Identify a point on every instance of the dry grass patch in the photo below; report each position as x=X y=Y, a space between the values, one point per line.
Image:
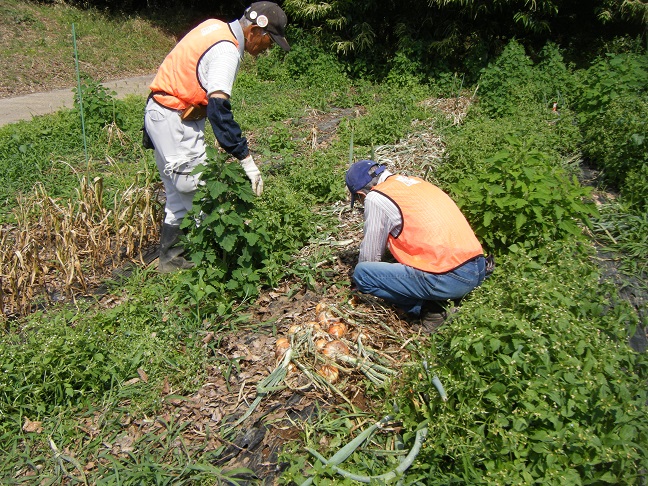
x=58 y=249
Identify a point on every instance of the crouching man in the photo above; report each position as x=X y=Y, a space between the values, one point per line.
x=439 y=257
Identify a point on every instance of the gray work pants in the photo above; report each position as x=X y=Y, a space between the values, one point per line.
x=179 y=148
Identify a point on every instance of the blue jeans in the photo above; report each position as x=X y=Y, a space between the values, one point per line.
x=409 y=288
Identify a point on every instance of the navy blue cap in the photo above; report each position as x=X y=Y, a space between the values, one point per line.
x=360 y=174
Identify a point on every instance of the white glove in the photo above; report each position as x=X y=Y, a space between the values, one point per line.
x=253 y=174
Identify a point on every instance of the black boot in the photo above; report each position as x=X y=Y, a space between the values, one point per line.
x=171 y=258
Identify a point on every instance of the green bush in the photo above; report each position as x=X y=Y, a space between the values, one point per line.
x=325 y=184
x=481 y=136
x=614 y=77
x=617 y=142
x=224 y=240
x=243 y=242
x=613 y=105
x=388 y=119
x=100 y=108
x=514 y=85
x=506 y=84
x=542 y=386
x=519 y=197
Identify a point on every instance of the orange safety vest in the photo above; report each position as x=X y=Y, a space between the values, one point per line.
x=176 y=84
x=435 y=236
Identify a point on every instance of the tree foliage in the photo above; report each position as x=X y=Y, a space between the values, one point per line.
x=439 y=33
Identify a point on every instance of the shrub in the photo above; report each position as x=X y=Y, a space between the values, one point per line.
x=224 y=243
x=99 y=105
x=480 y=137
x=616 y=141
x=615 y=77
x=505 y=85
x=518 y=197
x=512 y=84
x=388 y=119
x=542 y=386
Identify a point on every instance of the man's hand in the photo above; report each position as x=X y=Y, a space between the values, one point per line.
x=253 y=174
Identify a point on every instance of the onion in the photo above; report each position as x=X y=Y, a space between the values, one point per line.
x=335 y=348
x=337 y=329
x=294 y=329
x=320 y=343
x=282 y=345
x=320 y=307
x=355 y=335
x=331 y=373
x=314 y=325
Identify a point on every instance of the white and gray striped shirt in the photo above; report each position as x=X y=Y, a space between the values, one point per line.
x=219 y=66
x=381 y=217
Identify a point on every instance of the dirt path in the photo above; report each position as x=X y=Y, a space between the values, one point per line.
x=23 y=108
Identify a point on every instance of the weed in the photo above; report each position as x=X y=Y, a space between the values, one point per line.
x=625 y=235
x=518 y=198
x=98 y=103
x=615 y=141
x=541 y=383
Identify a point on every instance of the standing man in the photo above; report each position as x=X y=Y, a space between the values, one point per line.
x=195 y=81
x=439 y=257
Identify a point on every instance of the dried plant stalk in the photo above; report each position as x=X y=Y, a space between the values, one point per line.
x=66 y=246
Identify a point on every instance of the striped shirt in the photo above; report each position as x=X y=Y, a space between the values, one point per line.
x=381 y=217
x=219 y=66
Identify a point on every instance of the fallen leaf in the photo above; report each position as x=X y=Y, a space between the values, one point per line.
x=35 y=426
x=142 y=374
x=165 y=386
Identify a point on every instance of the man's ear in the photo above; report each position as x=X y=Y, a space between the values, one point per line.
x=256 y=31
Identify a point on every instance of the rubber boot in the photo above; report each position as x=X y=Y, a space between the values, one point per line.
x=170 y=259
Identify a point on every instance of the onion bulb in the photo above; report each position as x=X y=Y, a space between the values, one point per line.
x=331 y=373
x=320 y=307
x=355 y=335
x=320 y=343
x=314 y=325
x=337 y=329
x=294 y=329
x=282 y=345
x=335 y=348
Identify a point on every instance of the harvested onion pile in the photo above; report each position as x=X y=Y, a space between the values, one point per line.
x=321 y=350
x=328 y=346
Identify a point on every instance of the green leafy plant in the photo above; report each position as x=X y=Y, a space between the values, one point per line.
x=542 y=385
x=99 y=104
x=513 y=84
x=616 y=141
x=387 y=120
x=610 y=78
x=518 y=197
x=613 y=106
x=224 y=241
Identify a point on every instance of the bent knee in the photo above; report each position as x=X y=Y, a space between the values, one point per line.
x=362 y=277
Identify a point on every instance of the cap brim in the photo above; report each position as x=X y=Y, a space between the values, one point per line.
x=280 y=41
